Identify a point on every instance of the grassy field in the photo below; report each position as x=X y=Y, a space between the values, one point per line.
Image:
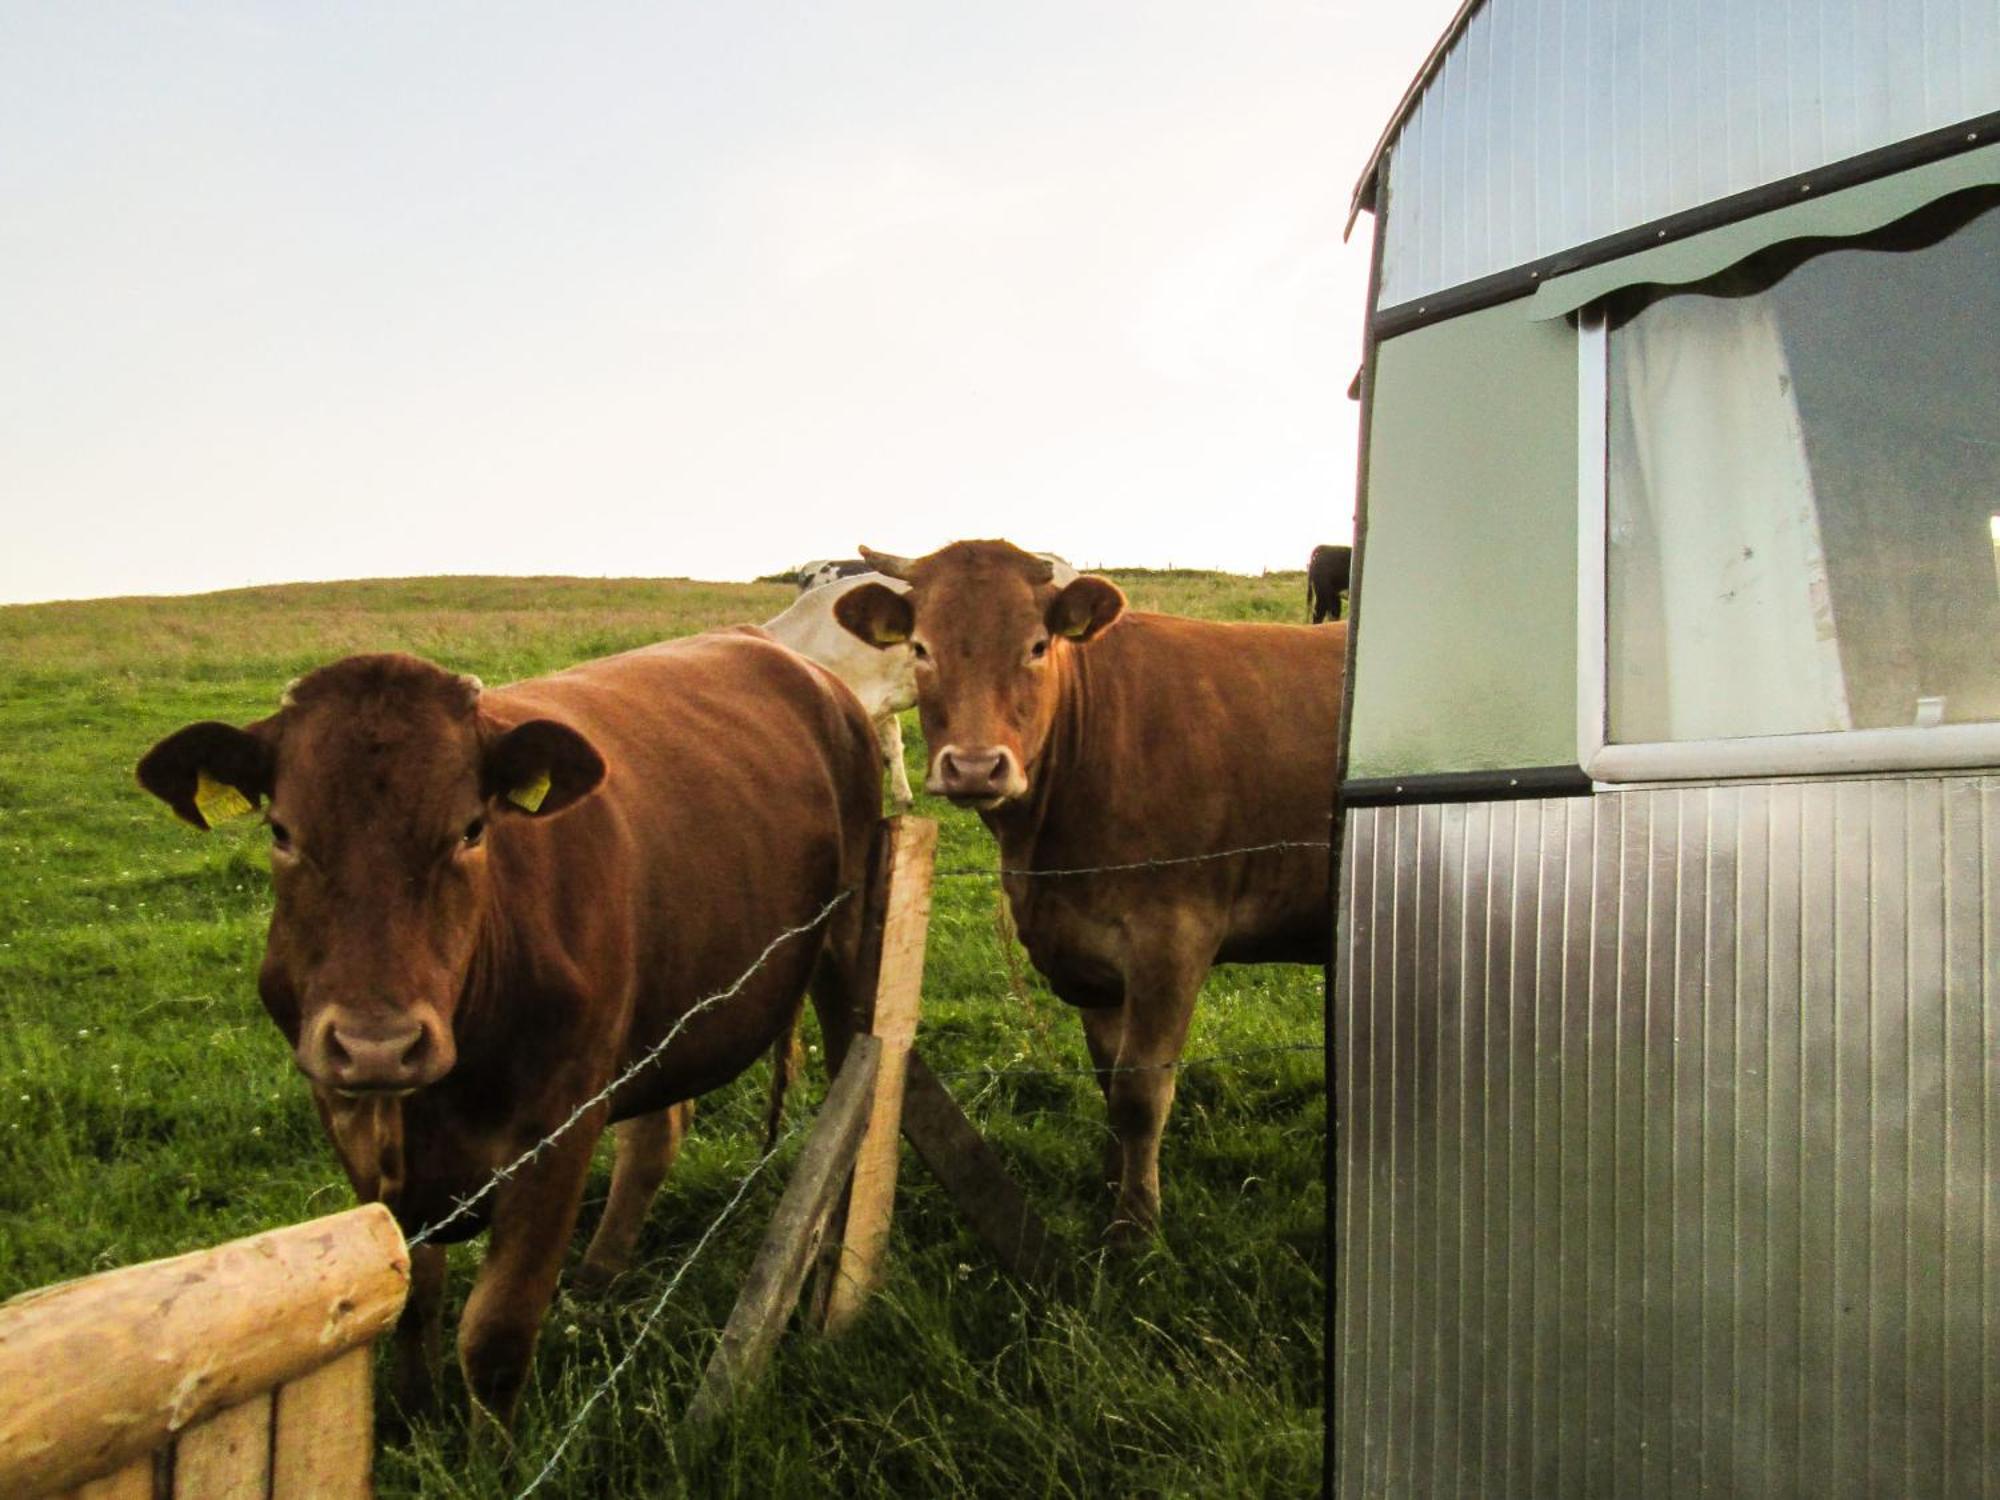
x=148 y=1107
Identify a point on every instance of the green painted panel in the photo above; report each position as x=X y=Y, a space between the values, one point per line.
x=1466 y=644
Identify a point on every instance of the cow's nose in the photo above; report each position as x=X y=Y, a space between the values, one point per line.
x=974 y=773
x=352 y=1055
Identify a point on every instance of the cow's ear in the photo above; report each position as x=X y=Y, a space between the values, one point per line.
x=540 y=767
x=209 y=771
x=880 y=616
x=1084 y=608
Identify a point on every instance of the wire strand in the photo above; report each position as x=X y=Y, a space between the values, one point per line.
x=653 y=1313
x=992 y=1075
x=1208 y=1060
x=974 y=871
x=575 y=1423
x=465 y=1205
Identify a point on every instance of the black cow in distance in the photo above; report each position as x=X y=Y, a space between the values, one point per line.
x=1326 y=582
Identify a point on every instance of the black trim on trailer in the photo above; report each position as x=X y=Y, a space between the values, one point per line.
x=1525 y=280
x=1466 y=786
x=1362 y=390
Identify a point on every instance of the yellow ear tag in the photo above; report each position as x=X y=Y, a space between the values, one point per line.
x=216 y=801
x=529 y=798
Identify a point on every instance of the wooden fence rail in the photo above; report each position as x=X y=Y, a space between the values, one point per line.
x=240 y=1370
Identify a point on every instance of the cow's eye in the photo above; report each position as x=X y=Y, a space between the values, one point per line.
x=920 y=651
x=281 y=837
x=1039 y=650
x=474 y=832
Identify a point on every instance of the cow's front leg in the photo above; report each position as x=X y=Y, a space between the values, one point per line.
x=419 y=1339
x=889 y=735
x=1159 y=1005
x=646 y=1148
x=1103 y=1027
x=534 y=1214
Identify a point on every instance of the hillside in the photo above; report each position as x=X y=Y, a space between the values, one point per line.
x=148 y=1107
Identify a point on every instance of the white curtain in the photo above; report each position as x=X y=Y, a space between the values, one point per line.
x=1719 y=618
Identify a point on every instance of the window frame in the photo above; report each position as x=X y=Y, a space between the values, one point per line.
x=1820 y=752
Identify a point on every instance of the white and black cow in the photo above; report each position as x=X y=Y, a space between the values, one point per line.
x=884 y=681
x=814 y=575
x=829 y=569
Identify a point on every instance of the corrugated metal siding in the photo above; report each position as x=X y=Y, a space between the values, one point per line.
x=1552 y=123
x=1669 y=1144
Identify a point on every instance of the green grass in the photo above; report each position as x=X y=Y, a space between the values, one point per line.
x=148 y=1108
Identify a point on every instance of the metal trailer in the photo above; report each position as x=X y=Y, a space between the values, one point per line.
x=1666 y=999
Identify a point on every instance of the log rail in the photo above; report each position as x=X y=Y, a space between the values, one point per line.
x=240 y=1370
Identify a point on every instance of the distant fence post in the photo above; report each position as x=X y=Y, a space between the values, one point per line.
x=239 y=1370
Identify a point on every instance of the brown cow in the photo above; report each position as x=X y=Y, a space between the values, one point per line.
x=490 y=903
x=1090 y=735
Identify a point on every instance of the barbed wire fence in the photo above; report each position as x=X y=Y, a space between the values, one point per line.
x=991 y=1075
x=574 y=1425
x=465 y=1205
x=1183 y=1064
x=659 y=1305
x=1080 y=1070
x=502 y=1175
x=1002 y=872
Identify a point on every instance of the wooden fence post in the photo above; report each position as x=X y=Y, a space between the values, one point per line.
x=321 y=1435
x=917 y=1104
x=101 y=1375
x=859 y=1238
x=839 y=1203
x=771 y=1290
x=992 y=1202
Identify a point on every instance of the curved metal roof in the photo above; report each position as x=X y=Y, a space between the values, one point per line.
x=1364 y=190
x=1536 y=128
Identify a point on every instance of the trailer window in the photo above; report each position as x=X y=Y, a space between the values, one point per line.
x=1801 y=491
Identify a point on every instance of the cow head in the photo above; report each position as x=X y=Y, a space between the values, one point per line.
x=385 y=782
x=992 y=636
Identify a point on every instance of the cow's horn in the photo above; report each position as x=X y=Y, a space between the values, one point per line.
x=1040 y=570
x=888 y=564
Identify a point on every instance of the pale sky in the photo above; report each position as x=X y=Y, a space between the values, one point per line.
x=306 y=291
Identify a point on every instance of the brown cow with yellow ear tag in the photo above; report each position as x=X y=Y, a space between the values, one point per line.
x=489 y=904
